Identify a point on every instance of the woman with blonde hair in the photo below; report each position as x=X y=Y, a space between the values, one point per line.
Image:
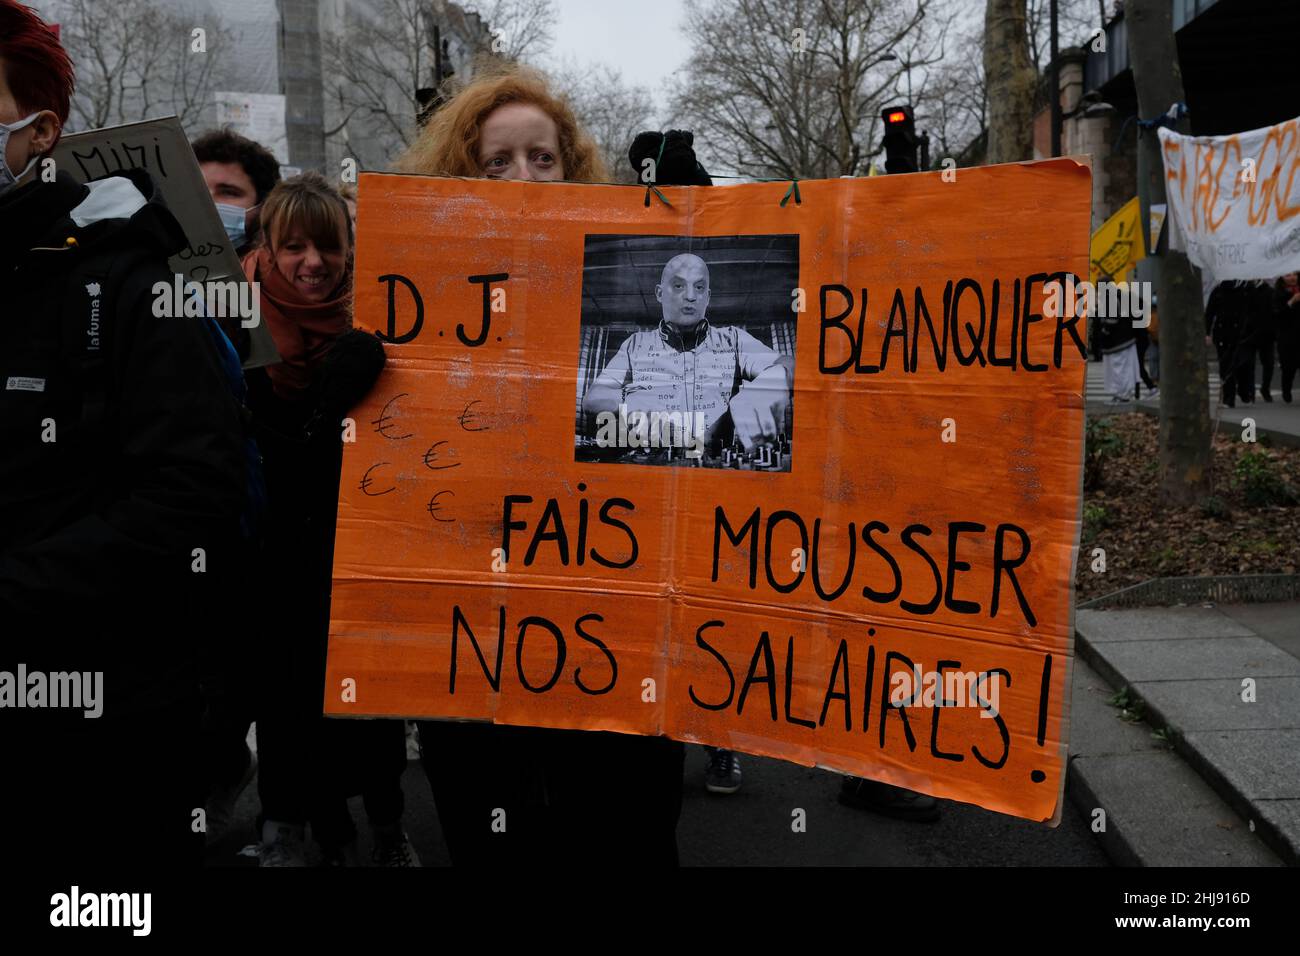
x=310 y=766
x=567 y=794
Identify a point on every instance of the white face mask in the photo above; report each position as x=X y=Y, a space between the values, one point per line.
x=7 y=178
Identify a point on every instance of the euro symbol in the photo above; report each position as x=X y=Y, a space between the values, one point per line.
x=431 y=456
x=467 y=418
x=367 y=481
x=434 y=508
x=385 y=420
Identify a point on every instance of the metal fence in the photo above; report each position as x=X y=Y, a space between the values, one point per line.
x=1233 y=589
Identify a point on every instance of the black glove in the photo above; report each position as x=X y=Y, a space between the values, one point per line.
x=347 y=375
x=677 y=166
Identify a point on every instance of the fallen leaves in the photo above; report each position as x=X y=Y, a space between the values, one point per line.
x=1144 y=539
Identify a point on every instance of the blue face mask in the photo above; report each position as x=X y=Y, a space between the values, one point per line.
x=8 y=180
x=234 y=219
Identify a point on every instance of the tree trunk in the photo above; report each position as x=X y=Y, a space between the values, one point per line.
x=1010 y=77
x=1184 y=377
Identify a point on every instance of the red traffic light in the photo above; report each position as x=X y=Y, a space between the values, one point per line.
x=896 y=116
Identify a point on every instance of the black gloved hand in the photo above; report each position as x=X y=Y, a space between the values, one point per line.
x=677 y=166
x=347 y=374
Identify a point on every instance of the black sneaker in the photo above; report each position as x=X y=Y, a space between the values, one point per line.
x=888 y=800
x=722 y=775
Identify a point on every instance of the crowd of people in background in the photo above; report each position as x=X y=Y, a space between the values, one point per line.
x=1253 y=324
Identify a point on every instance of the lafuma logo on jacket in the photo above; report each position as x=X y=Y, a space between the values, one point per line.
x=92 y=330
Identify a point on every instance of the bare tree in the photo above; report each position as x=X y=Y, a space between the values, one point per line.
x=954 y=106
x=612 y=111
x=1077 y=21
x=387 y=53
x=375 y=64
x=138 y=59
x=1184 y=377
x=520 y=29
x=793 y=88
x=1011 y=82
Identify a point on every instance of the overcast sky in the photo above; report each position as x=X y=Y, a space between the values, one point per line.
x=643 y=39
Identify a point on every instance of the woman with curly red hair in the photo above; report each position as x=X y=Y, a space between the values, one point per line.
x=553 y=786
x=506 y=124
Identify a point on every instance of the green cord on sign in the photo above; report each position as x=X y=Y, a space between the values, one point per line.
x=655 y=190
x=792 y=191
x=650 y=187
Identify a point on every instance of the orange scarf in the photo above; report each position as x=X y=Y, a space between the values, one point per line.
x=303 y=331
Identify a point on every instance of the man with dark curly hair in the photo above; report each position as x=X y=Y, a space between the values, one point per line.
x=239 y=173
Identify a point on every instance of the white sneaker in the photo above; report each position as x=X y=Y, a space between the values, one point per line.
x=283 y=844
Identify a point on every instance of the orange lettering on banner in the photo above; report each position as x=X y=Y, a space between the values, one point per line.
x=1279 y=150
x=1291 y=155
x=500 y=556
x=1175 y=166
x=1207 y=183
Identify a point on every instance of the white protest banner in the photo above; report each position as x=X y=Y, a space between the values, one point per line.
x=1236 y=199
x=258 y=116
x=160 y=148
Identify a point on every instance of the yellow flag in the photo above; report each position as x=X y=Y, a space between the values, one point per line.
x=1117 y=245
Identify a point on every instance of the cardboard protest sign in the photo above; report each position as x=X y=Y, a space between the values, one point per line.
x=774 y=477
x=1118 y=245
x=160 y=147
x=1236 y=200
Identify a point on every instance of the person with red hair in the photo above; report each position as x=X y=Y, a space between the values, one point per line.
x=121 y=486
x=552 y=784
x=37 y=87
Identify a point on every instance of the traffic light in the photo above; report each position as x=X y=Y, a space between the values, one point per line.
x=900 y=140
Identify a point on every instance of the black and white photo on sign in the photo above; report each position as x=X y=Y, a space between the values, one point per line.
x=687 y=351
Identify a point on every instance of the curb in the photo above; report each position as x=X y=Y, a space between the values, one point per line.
x=1264 y=827
x=1158 y=811
x=1288 y=439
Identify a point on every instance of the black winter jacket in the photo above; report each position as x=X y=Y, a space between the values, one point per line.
x=99 y=527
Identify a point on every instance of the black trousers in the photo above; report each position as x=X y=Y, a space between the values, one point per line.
x=527 y=796
x=1265 y=350
x=114 y=794
x=308 y=764
x=1288 y=361
x=1236 y=371
x=1143 y=340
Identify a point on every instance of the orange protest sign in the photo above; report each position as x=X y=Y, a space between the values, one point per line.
x=797 y=480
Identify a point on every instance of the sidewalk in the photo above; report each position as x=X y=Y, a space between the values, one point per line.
x=1276 y=419
x=1191 y=667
